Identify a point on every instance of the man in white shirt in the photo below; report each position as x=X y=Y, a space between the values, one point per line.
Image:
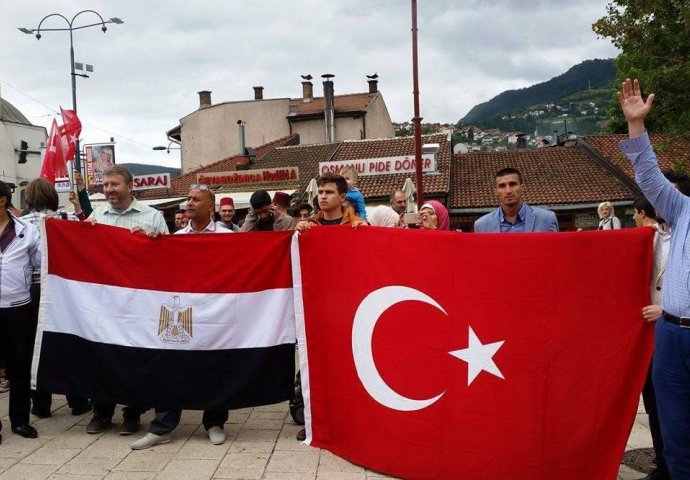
x=200 y=206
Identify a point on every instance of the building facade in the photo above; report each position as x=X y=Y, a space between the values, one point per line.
x=213 y=132
x=20 y=151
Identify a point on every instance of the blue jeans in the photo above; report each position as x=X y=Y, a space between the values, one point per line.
x=671 y=374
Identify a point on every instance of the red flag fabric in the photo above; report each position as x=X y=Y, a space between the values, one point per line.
x=473 y=356
x=54 y=160
x=69 y=132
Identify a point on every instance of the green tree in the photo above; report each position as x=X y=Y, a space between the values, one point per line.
x=654 y=39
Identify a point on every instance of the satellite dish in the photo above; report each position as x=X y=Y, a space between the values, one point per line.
x=460 y=148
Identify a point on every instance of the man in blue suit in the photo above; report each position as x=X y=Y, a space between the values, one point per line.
x=514 y=215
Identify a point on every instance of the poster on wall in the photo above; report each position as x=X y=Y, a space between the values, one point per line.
x=99 y=157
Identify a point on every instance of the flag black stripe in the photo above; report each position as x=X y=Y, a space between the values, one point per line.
x=195 y=380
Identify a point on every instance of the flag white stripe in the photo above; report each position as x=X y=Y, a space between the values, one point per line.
x=41 y=312
x=130 y=317
x=301 y=333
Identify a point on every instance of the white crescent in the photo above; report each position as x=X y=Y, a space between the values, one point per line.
x=368 y=313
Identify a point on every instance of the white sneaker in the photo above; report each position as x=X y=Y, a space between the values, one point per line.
x=149 y=440
x=216 y=435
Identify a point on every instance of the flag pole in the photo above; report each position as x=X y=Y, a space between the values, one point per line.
x=416 y=120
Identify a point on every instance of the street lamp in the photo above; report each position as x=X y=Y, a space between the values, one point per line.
x=168 y=148
x=70 y=29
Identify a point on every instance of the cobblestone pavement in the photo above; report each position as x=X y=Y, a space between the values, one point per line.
x=260 y=445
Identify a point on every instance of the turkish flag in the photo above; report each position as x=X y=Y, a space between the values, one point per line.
x=473 y=356
x=54 y=160
x=69 y=132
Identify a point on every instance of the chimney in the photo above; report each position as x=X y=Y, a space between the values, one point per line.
x=258 y=93
x=307 y=91
x=521 y=141
x=204 y=99
x=373 y=85
x=328 y=107
x=241 y=125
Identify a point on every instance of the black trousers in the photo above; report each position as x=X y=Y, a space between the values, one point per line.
x=649 y=400
x=44 y=400
x=105 y=409
x=165 y=421
x=17 y=334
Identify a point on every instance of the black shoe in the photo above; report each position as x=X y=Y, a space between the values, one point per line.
x=657 y=474
x=41 y=412
x=98 y=424
x=301 y=435
x=26 y=431
x=81 y=408
x=129 y=426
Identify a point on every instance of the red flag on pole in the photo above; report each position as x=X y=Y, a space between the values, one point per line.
x=485 y=356
x=54 y=160
x=69 y=132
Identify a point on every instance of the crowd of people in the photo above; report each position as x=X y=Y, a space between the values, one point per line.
x=338 y=202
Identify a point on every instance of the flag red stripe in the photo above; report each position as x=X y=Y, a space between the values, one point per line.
x=176 y=263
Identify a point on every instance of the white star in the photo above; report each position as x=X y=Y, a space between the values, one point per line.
x=478 y=357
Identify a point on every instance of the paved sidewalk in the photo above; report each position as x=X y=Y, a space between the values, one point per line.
x=261 y=445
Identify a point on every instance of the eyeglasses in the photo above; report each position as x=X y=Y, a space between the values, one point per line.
x=198 y=186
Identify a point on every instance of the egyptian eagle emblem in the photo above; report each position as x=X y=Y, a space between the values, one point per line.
x=175 y=322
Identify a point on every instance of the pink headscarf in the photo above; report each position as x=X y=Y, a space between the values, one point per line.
x=443 y=220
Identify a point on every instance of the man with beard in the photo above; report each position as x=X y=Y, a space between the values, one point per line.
x=399 y=202
x=263 y=218
x=200 y=206
x=122 y=210
x=227 y=213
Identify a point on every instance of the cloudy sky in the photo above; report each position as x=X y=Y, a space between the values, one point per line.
x=148 y=70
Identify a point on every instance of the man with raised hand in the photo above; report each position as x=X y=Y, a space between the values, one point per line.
x=671 y=371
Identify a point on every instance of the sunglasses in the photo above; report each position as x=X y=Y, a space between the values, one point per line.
x=198 y=186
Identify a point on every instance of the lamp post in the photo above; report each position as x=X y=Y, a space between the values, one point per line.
x=417 y=119
x=70 y=29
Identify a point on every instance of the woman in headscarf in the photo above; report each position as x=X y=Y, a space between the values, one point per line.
x=434 y=216
x=384 y=216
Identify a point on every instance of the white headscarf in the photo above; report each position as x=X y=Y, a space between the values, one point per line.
x=383 y=216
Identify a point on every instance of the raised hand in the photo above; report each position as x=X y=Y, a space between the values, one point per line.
x=78 y=180
x=634 y=107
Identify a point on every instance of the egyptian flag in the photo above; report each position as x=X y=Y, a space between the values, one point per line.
x=473 y=356
x=181 y=321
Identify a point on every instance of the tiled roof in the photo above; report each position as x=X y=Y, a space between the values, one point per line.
x=281 y=142
x=553 y=175
x=350 y=103
x=304 y=157
x=10 y=113
x=669 y=151
x=377 y=186
x=180 y=185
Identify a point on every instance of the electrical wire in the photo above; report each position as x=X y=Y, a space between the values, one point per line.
x=115 y=134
